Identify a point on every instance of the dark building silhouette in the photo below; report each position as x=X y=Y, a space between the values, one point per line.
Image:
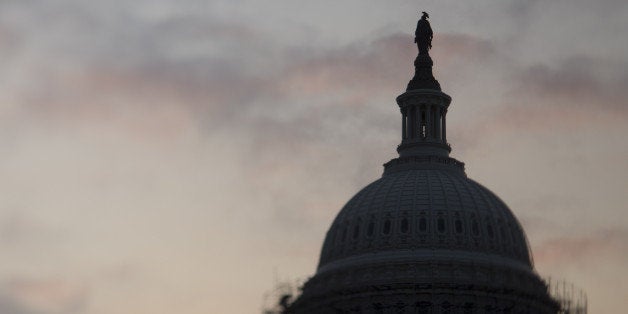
x=425 y=238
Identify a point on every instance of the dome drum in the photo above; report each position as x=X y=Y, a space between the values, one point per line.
x=407 y=286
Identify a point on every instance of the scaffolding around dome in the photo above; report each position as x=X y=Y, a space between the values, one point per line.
x=572 y=299
x=277 y=300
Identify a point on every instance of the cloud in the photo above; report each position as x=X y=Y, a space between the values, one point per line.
x=454 y=49
x=172 y=136
x=17 y=228
x=26 y=296
x=598 y=245
x=140 y=79
x=559 y=97
x=577 y=81
x=351 y=67
x=9 y=305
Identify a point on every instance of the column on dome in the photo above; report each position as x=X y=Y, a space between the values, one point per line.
x=434 y=122
x=437 y=125
x=404 y=117
x=444 y=125
x=421 y=119
x=417 y=119
x=411 y=122
x=428 y=122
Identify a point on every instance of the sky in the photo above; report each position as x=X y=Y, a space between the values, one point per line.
x=186 y=156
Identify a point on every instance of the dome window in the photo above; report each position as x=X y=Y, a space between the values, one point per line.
x=404 y=225
x=370 y=229
x=387 y=227
x=502 y=233
x=458 y=226
x=356 y=231
x=441 y=224
x=475 y=228
x=422 y=224
x=489 y=231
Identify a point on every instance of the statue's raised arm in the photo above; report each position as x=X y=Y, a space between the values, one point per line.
x=423 y=34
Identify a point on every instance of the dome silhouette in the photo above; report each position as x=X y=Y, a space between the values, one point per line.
x=432 y=240
x=424 y=238
x=424 y=210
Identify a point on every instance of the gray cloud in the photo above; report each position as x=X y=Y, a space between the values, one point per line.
x=579 y=81
x=173 y=136
x=576 y=248
x=26 y=296
x=8 y=305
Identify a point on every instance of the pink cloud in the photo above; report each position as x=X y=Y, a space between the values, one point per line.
x=48 y=296
x=561 y=250
x=451 y=49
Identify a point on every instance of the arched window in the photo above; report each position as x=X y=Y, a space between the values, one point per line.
x=356 y=231
x=371 y=227
x=440 y=224
x=386 y=227
x=404 y=225
x=422 y=224
x=475 y=228
x=458 y=226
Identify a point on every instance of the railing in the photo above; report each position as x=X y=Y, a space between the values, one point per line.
x=572 y=300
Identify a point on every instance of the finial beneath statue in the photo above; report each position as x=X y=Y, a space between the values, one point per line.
x=423 y=34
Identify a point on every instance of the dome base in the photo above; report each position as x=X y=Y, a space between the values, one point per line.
x=424 y=162
x=425 y=298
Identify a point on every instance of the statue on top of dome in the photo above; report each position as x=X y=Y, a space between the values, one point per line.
x=423 y=34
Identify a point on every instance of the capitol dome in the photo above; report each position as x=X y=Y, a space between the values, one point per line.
x=431 y=239
x=424 y=238
x=420 y=210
